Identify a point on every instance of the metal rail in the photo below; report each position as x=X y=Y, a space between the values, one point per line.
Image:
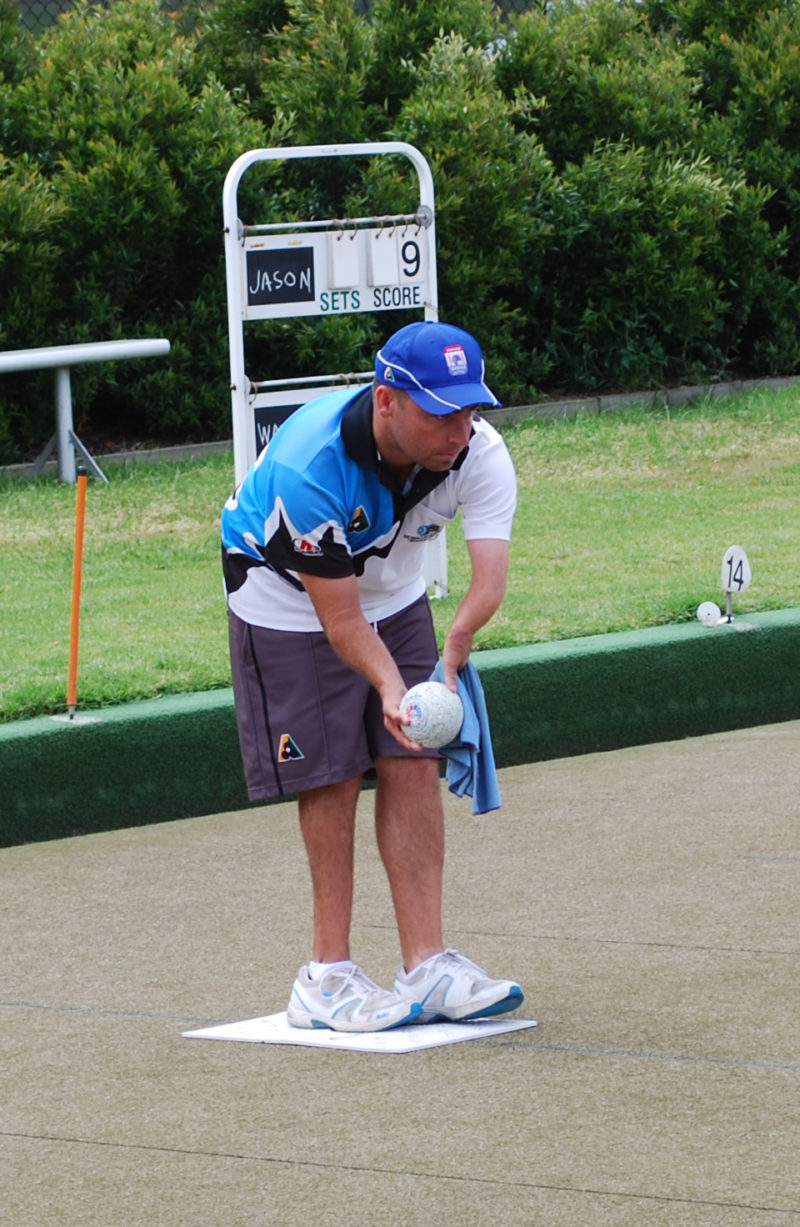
x=60 y=358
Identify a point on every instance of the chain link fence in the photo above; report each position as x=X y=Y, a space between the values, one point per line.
x=37 y=15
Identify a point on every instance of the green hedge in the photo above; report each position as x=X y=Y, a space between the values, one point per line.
x=618 y=189
x=115 y=149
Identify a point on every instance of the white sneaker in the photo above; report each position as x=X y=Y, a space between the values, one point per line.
x=345 y=999
x=451 y=988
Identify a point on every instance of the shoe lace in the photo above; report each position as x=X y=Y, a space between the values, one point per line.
x=461 y=963
x=354 y=980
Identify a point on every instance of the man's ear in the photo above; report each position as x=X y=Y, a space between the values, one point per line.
x=384 y=400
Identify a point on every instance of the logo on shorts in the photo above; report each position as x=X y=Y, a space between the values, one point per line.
x=304 y=546
x=288 y=749
x=359 y=522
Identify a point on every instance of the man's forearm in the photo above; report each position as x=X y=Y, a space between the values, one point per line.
x=481 y=600
x=360 y=647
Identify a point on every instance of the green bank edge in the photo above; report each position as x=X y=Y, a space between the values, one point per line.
x=174 y=758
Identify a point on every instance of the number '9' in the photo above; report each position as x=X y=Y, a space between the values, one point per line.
x=409 y=254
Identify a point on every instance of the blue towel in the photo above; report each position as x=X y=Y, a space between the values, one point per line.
x=470 y=757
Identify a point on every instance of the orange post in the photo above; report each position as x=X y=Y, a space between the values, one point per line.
x=77 y=574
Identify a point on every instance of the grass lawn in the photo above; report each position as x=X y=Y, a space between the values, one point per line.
x=623 y=521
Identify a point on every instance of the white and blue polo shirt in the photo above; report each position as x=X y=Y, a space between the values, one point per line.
x=319 y=501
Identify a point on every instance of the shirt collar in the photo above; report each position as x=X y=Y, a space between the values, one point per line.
x=357 y=433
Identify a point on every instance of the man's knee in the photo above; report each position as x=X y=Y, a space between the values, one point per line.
x=407 y=773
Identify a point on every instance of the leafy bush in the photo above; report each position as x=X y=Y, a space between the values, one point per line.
x=343 y=80
x=580 y=137
x=490 y=181
x=617 y=189
x=649 y=306
x=405 y=33
x=14 y=42
x=121 y=151
x=234 y=41
x=682 y=241
x=315 y=69
x=596 y=73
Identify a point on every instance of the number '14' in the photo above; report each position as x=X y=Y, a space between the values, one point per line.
x=736 y=573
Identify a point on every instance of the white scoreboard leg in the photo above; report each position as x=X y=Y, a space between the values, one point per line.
x=435 y=566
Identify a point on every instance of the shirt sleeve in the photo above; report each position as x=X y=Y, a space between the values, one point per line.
x=487 y=487
x=304 y=532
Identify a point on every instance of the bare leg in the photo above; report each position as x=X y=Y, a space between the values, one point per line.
x=327 y=821
x=409 y=825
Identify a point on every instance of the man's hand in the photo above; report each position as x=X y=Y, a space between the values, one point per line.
x=392 y=714
x=455 y=654
x=338 y=607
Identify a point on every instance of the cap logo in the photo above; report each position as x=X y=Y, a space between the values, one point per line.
x=456 y=360
x=388 y=374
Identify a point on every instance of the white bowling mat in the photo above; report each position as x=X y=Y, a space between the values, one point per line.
x=274 y=1029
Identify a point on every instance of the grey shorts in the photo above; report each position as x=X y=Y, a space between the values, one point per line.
x=305 y=718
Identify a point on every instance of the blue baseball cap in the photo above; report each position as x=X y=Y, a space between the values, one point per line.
x=440 y=366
